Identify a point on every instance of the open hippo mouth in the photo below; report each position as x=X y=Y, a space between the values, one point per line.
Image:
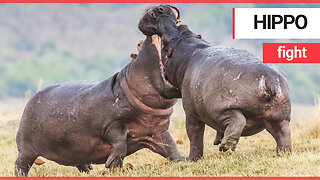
x=155 y=21
x=157 y=42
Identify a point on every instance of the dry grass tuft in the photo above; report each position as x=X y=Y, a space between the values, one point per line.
x=308 y=126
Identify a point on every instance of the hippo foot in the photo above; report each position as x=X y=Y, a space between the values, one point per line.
x=181 y=159
x=283 y=150
x=218 y=139
x=113 y=162
x=84 y=168
x=194 y=159
x=217 y=142
x=228 y=144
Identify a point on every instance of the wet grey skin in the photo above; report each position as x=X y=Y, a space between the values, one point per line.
x=228 y=89
x=78 y=124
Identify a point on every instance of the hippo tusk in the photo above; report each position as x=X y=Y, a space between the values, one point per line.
x=176 y=12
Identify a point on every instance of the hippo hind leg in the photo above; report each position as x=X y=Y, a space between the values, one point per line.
x=84 y=168
x=24 y=162
x=280 y=130
x=234 y=122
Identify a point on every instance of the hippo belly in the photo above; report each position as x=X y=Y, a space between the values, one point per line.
x=81 y=150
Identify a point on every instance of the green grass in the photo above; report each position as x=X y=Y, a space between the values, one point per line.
x=254 y=156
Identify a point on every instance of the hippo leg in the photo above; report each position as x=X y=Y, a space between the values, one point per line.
x=166 y=147
x=84 y=168
x=24 y=162
x=195 y=131
x=218 y=139
x=280 y=130
x=117 y=138
x=234 y=121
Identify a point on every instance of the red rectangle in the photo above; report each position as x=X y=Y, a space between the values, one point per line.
x=233 y=23
x=291 y=52
x=159 y=178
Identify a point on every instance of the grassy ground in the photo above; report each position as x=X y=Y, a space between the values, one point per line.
x=254 y=156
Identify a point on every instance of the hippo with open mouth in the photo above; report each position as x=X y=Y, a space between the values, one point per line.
x=77 y=124
x=228 y=89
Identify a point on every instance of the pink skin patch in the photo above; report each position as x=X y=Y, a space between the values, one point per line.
x=139 y=45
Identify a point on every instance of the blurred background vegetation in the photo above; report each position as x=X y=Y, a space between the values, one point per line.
x=43 y=44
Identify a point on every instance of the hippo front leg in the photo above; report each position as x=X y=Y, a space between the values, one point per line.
x=234 y=122
x=195 y=131
x=116 y=136
x=167 y=147
x=218 y=139
x=280 y=130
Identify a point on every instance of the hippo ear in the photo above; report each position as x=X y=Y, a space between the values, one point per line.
x=176 y=12
x=139 y=45
x=133 y=56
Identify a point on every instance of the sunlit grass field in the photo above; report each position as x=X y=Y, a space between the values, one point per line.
x=254 y=156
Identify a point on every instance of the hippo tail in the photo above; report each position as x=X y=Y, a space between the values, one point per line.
x=270 y=89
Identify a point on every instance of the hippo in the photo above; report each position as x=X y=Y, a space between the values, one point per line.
x=79 y=123
x=228 y=89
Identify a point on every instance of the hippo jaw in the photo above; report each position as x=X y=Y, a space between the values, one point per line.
x=157 y=42
x=146 y=76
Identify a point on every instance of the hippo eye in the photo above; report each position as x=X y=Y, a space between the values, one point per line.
x=161 y=10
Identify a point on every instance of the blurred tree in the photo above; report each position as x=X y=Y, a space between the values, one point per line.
x=67 y=42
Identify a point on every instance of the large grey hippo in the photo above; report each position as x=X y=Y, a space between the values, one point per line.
x=228 y=89
x=77 y=124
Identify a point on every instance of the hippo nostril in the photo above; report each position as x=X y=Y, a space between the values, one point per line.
x=161 y=10
x=153 y=15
